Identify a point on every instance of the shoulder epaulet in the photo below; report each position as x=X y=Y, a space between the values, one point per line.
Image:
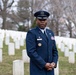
x=32 y=29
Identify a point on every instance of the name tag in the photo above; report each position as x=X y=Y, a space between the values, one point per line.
x=39 y=39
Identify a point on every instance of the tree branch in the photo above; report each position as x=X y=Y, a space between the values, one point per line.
x=10 y=4
x=3 y=1
x=0 y=7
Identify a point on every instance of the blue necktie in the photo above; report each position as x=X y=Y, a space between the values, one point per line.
x=45 y=33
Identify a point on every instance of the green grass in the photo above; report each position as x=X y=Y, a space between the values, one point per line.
x=66 y=68
x=6 y=66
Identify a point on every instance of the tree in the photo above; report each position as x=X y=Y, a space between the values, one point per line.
x=56 y=13
x=23 y=12
x=69 y=9
x=26 y=8
x=4 y=6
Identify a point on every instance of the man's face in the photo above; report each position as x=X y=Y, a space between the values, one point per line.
x=41 y=23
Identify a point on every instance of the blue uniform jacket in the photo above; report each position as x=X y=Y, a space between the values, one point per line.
x=41 y=49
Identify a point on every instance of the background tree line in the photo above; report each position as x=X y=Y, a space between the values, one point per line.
x=18 y=15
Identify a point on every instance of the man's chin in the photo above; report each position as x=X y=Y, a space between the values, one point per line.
x=42 y=27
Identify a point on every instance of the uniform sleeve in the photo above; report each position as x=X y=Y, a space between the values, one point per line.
x=31 y=50
x=55 y=51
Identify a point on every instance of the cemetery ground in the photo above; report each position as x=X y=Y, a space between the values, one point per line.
x=6 y=66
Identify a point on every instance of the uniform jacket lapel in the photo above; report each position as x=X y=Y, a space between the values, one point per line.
x=41 y=34
x=49 y=35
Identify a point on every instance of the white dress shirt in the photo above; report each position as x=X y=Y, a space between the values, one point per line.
x=42 y=30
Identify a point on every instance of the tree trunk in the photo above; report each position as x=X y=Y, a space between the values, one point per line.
x=70 y=31
x=4 y=23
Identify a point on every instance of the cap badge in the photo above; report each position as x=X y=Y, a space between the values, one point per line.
x=42 y=13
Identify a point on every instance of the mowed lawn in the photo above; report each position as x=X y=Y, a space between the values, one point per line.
x=66 y=68
x=6 y=67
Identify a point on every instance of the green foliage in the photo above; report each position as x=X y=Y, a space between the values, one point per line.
x=21 y=28
x=34 y=24
x=66 y=68
x=6 y=66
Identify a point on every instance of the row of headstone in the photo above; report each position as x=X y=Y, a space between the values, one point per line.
x=18 y=68
x=68 y=53
x=17 y=37
x=11 y=51
x=69 y=42
x=20 y=39
x=18 y=42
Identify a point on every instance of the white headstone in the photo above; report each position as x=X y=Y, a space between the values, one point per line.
x=62 y=47
x=58 y=41
x=25 y=58
x=11 y=49
x=71 y=57
x=2 y=36
x=59 y=45
x=7 y=40
x=0 y=55
x=66 y=51
x=17 y=44
x=22 y=42
x=69 y=45
x=18 y=67
x=74 y=47
x=1 y=43
x=56 y=70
